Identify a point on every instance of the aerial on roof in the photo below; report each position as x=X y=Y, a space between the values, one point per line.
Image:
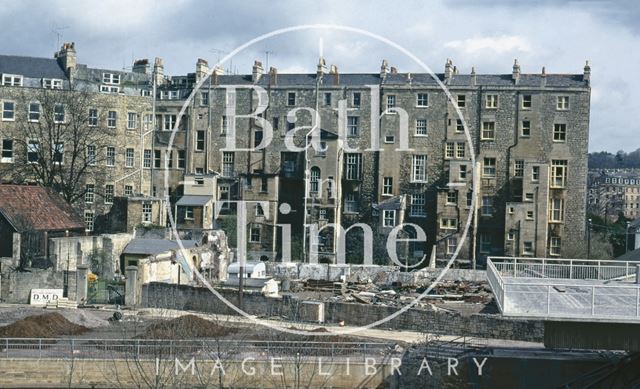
x=29 y=207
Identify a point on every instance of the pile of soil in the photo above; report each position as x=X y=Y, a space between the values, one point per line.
x=48 y=325
x=185 y=327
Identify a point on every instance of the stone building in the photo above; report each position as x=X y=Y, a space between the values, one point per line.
x=612 y=192
x=529 y=135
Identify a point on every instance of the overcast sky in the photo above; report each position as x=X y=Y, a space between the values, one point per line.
x=484 y=34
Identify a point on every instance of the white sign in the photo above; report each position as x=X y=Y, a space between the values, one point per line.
x=43 y=296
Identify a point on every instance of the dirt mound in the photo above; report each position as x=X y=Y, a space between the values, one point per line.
x=185 y=327
x=48 y=325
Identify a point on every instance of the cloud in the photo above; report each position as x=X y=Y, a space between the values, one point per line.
x=501 y=45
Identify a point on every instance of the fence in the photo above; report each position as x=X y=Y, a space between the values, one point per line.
x=565 y=288
x=142 y=349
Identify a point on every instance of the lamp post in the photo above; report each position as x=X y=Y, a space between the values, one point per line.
x=589 y=240
x=626 y=238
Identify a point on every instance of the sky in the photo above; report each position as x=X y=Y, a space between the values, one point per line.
x=489 y=34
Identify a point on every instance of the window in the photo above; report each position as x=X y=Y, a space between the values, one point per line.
x=91 y=155
x=327 y=98
x=228 y=163
x=528 y=196
x=110 y=78
x=528 y=248
x=535 y=173
x=182 y=159
x=33 y=151
x=558 y=173
x=525 y=128
x=461 y=100
x=462 y=173
x=488 y=130
x=389 y=139
x=529 y=215
x=485 y=243
x=109 y=89
x=487 y=206
x=511 y=235
x=224 y=194
x=419 y=168
x=449 y=150
x=8 y=110
x=108 y=194
x=452 y=198
x=422 y=100
x=452 y=245
x=314 y=181
x=556 y=210
x=388 y=218
x=147 y=121
x=254 y=233
x=257 y=137
x=146 y=212
x=34 y=112
x=559 y=132
x=188 y=213
x=58 y=152
x=200 y=140
x=146 y=160
x=562 y=103
x=204 y=98
x=88 y=220
x=157 y=159
x=350 y=203
x=112 y=118
x=58 y=113
x=459 y=125
x=491 y=101
x=111 y=156
x=391 y=101
x=353 y=166
x=460 y=150
x=132 y=120
x=356 y=99
x=417 y=208
x=291 y=99
x=526 y=101
x=7 y=151
x=128 y=190
x=168 y=158
x=421 y=126
x=448 y=223
x=489 y=167
x=93 y=117
x=387 y=186
x=518 y=168
x=52 y=83
x=469 y=198
x=352 y=126
x=275 y=120
x=89 y=193
x=323 y=214
x=11 y=80
x=554 y=245
x=169 y=122
x=129 y=158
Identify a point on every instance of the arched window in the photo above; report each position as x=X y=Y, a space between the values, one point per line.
x=315 y=179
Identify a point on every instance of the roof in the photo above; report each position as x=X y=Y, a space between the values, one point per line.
x=249 y=266
x=30 y=207
x=194 y=200
x=155 y=246
x=32 y=67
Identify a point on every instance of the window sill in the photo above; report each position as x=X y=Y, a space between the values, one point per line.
x=421 y=135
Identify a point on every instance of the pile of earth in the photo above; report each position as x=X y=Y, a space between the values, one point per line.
x=185 y=327
x=48 y=325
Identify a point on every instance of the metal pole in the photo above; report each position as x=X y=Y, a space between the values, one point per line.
x=589 y=239
x=626 y=239
x=240 y=285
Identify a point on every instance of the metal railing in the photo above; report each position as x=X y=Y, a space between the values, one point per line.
x=143 y=349
x=565 y=288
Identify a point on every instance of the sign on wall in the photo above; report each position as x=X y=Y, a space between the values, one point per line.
x=42 y=296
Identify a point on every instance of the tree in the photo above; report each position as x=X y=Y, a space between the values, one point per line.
x=62 y=139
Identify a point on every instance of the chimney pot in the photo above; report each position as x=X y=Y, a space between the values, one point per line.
x=587 y=73
x=256 y=71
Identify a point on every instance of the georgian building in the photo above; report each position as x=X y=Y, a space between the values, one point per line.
x=612 y=192
x=528 y=135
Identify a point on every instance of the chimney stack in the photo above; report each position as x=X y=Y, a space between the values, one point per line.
x=448 y=70
x=218 y=71
x=67 y=58
x=158 y=71
x=256 y=71
x=322 y=67
x=384 y=69
x=202 y=69
x=473 y=76
x=586 y=76
x=515 y=74
x=394 y=70
x=543 y=79
x=336 y=76
x=141 y=66
x=273 y=76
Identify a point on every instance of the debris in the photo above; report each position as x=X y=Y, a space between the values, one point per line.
x=49 y=325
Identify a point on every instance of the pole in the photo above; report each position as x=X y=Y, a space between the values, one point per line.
x=589 y=240
x=626 y=239
x=240 y=284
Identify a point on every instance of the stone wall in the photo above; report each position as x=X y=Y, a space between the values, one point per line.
x=66 y=253
x=16 y=286
x=181 y=297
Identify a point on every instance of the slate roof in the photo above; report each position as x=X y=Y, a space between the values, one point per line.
x=155 y=246
x=31 y=67
x=194 y=200
x=28 y=207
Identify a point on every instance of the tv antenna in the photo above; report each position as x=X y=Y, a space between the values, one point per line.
x=267 y=54
x=58 y=31
x=219 y=53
